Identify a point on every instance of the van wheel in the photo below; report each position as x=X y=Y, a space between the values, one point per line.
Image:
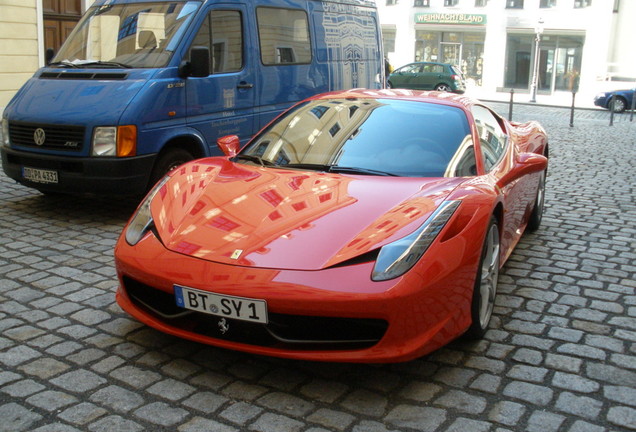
x=443 y=87
x=167 y=161
x=485 y=289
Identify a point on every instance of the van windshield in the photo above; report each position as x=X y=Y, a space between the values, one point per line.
x=139 y=35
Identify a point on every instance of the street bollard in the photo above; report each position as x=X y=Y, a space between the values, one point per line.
x=512 y=93
x=631 y=115
x=572 y=110
x=611 y=107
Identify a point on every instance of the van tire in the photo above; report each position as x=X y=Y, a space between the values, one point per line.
x=167 y=161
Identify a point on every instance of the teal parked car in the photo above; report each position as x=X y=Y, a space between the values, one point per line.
x=428 y=76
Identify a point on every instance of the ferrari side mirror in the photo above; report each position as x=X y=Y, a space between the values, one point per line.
x=527 y=163
x=229 y=145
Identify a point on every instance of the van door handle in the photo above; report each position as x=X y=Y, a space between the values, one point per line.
x=244 y=85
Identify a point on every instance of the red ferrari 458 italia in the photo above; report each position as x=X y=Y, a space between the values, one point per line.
x=361 y=226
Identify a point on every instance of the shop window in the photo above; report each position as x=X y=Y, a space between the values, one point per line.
x=472 y=61
x=579 y=4
x=422 y=3
x=514 y=4
x=448 y=3
x=547 y=3
x=388 y=40
x=559 y=61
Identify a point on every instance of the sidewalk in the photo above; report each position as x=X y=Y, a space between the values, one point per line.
x=583 y=99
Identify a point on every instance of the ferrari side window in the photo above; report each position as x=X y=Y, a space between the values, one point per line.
x=491 y=136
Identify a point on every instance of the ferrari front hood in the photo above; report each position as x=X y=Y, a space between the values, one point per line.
x=216 y=210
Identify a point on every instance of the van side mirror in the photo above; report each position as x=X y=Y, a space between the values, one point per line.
x=229 y=145
x=526 y=163
x=50 y=53
x=199 y=64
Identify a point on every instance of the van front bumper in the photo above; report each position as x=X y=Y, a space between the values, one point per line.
x=79 y=175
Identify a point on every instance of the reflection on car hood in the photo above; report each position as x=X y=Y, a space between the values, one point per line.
x=238 y=214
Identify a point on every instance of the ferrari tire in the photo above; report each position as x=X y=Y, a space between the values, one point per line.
x=483 y=301
x=618 y=104
x=443 y=87
x=167 y=161
x=534 y=222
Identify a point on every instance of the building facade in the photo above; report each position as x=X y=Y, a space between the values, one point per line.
x=493 y=41
x=27 y=29
x=584 y=42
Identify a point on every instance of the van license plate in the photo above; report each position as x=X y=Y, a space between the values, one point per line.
x=240 y=308
x=39 y=175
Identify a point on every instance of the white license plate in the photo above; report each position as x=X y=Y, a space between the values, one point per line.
x=39 y=175
x=240 y=308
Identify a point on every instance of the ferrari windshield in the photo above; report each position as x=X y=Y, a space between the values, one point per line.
x=140 y=35
x=370 y=137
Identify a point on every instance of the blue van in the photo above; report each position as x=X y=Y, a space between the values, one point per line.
x=141 y=86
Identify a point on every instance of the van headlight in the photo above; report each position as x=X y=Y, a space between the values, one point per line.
x=398 y=257
x=142 y=220
x=120 y=141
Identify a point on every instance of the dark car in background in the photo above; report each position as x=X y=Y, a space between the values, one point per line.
x=428 y=76
x=621 y=100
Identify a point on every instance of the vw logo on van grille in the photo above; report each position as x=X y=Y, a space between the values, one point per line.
x=39 y=136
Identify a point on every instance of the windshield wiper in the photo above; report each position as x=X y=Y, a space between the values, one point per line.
x=308 y=166
x=358 y=170
x=63 y=63
x=254 y=158
x=339 y=169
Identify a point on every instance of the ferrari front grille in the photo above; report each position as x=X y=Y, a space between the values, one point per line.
x=283 y=331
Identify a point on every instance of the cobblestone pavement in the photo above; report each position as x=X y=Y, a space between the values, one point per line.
x=561 y=354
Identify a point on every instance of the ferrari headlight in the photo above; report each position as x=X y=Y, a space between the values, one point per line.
x=142 y=219
x=398 y=257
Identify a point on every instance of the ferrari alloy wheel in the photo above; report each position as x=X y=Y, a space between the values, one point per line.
x=618 y=104
x=442 y=87
x=485 y=283
x=537 y=212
